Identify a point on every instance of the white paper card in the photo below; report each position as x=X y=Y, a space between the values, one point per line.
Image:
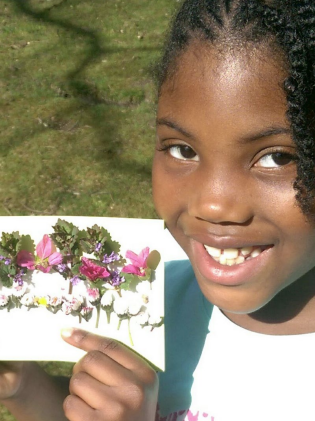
x=34 y=333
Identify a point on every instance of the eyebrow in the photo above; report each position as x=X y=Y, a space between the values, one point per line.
x=269 y=131
x=175 y=126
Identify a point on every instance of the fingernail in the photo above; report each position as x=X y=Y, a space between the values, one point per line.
x=67 y=332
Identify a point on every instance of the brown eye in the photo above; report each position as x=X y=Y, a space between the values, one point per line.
x=183 y=152
x=275 y=160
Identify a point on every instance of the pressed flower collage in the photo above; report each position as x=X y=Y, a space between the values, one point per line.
x=80 y=275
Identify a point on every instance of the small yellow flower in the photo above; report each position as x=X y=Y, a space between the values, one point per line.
x=42 y=301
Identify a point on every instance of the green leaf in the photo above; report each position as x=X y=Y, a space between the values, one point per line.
x=9 y=242
x=4 y=276
x=129 y=279
x=86 y=246
x=75 y=269
x=26 y=243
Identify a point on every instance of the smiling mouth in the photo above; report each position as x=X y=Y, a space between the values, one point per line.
x=234 y=256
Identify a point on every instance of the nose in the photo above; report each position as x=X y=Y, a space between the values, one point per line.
x=221 y=198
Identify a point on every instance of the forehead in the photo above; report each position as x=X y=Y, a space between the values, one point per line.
x=241 y=86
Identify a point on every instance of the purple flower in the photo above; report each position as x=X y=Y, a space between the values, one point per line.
x=2 y=257
x=116 y=280
x=75 y=280
x=18 y=279
x=7 y=261
x=111 y=258
x=62 y=267
x=98 y=247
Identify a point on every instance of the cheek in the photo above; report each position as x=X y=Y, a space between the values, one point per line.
x=165 y=189
x=159 y=187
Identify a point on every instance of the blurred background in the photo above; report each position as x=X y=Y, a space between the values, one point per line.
x=77 y=106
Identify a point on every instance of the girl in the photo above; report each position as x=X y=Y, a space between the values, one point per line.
x=234 y=179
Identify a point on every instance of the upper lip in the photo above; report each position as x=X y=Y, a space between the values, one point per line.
x=226 y=241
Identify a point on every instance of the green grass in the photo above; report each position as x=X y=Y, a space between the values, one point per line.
x=77 y=104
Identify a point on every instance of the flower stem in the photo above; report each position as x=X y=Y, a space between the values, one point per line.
x=98 y=309
x=119 y=323
x=108 y=316
x=70 y=287
x=129 y=331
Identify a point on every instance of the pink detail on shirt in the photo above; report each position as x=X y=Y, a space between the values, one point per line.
x=184 y=415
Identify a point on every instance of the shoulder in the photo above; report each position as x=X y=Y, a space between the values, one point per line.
x=187 y=315
x=182 y=294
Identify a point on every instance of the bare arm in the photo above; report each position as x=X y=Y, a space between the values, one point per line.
x=30 y=394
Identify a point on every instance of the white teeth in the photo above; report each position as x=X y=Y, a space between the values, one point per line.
x=213 y=251
x=240 y=259
x=230 y=253
x=256 y=253
x=233 y=256
x=245 y=251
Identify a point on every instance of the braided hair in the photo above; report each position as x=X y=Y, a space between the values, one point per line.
x=286 y=26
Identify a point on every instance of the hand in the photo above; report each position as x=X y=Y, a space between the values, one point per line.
x=110 y=383
x=11 y=377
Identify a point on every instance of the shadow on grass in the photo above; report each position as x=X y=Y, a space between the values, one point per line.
x=86 y=95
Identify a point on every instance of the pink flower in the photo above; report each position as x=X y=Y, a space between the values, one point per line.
x=138 y=262
x=92 y=271
x=46 y=257
x=26 y=259
x=93 y=294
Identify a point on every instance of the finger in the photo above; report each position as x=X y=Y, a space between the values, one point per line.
x=89 y=342
x=103 y=368
x=76 y=409
x=90 y=390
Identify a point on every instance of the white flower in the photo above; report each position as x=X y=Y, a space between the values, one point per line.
x=154 y=318
x=129 y=303
x=142 y=318
x=134 y=307
x=4 y=299
x=19 y=290
x=76 y=303
x=144 y=287
x=54 y=301
x=66 y=308
x=71 y=303
x=108 y=298
x=93 y=295
x=121 y=306
x=28 y=300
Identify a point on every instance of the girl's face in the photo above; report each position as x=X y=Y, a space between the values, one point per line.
x=223 y=174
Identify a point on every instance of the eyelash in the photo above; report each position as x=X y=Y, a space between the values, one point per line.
x=274 y=155
x=169 y=148
x=271 y=155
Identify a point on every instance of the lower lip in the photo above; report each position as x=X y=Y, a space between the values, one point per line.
x=238 y=274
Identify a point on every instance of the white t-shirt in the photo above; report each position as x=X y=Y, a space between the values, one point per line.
x=248 y=376
x=238 y=375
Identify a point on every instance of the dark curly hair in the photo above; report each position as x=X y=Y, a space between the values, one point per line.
x=285 y=26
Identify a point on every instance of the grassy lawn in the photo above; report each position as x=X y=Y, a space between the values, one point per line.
x=77 y=105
